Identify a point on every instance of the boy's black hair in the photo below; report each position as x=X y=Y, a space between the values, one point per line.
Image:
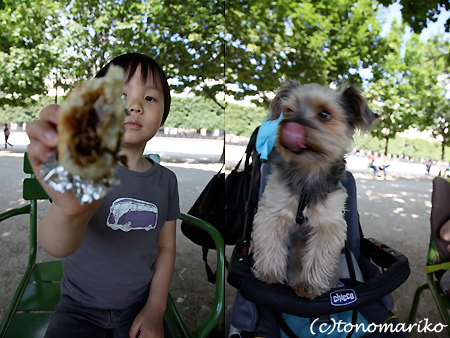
x=130 y=62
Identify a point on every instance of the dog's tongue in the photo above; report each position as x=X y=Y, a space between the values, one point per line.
x=293 y=136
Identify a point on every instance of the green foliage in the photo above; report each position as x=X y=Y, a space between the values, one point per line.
x=73 y=39
x=430 y=60
x=247 y=47
x=269 y=42
x=27 y=112
x=408 y=88
x=191 y=45
x=391 y=91
x=196 y=113
x=243 y=120
x=28 y=48
x=402 y=146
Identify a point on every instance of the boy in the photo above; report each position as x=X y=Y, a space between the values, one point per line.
x=115 y=281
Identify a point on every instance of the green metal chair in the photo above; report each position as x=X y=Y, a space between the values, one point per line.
x=442 y=301
x=38 y=292
x=440 y=213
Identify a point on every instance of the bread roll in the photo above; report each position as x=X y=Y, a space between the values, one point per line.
x=90 y=126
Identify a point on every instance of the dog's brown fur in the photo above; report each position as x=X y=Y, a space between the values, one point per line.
x=329 y=118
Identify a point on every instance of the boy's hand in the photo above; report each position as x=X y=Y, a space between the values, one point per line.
x=148 y=324
x=43 y=139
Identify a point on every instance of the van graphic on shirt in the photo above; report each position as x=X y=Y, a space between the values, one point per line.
x=130 y=214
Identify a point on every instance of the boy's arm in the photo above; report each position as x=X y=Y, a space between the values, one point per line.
x=150 y=320
x=445 y=231
x=60 y=233
x=62 y=230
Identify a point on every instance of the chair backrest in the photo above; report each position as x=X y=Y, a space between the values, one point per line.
x=440 y=213
x=32 y=189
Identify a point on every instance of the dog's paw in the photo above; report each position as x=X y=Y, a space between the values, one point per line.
x=305 y=290
x=268 y=278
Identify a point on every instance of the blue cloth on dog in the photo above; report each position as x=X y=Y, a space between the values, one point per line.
x=267 y=134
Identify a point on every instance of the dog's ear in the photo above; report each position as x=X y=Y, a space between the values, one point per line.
x=283 y=92
x=360 y=115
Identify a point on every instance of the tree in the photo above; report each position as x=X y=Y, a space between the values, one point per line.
x=268 y=42
x=418 y=13
x=73 y=39
x=433 y=95
x=28 y=48
x=390 y=90
x=185 y=37
x=97 y=31
x=194 y=49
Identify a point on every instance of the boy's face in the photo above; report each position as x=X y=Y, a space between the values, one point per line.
x=146 y=108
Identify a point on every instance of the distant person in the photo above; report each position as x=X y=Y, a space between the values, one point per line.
x=428 y=166
x=372 y=164
x=381 y=165
x=7 y=133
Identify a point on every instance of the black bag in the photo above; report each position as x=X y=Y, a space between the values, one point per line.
x=208 y=207
x=222 y=204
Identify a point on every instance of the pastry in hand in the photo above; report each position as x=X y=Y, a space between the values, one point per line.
x=90 y=126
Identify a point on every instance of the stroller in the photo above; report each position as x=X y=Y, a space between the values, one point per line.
x=365 y=297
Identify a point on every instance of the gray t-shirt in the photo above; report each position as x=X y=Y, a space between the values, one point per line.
x=113 y=267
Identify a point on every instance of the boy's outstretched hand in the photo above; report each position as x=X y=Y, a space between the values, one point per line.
x=43 y=139
x=62 y=230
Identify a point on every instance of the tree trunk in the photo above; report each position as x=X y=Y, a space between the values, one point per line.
x=56 y=89
x=388 y=134
x=442 y=158
x=386 y=147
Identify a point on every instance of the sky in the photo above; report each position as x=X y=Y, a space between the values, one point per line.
x=433 y=28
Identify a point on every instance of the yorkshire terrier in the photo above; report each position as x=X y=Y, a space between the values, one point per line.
x=299 y=229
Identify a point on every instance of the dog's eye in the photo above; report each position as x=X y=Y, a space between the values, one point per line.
x=324 y=115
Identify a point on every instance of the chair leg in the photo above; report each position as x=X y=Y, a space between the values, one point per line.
x=415 y=304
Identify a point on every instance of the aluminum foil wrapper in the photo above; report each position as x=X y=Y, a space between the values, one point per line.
x=85 y=190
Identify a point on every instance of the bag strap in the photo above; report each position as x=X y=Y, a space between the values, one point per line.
x=209 y=273
x=211 y=276
x=250 y=147
x=220 y=170
x=248 y=150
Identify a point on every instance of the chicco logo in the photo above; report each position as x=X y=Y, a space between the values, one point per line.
x=342 y=297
